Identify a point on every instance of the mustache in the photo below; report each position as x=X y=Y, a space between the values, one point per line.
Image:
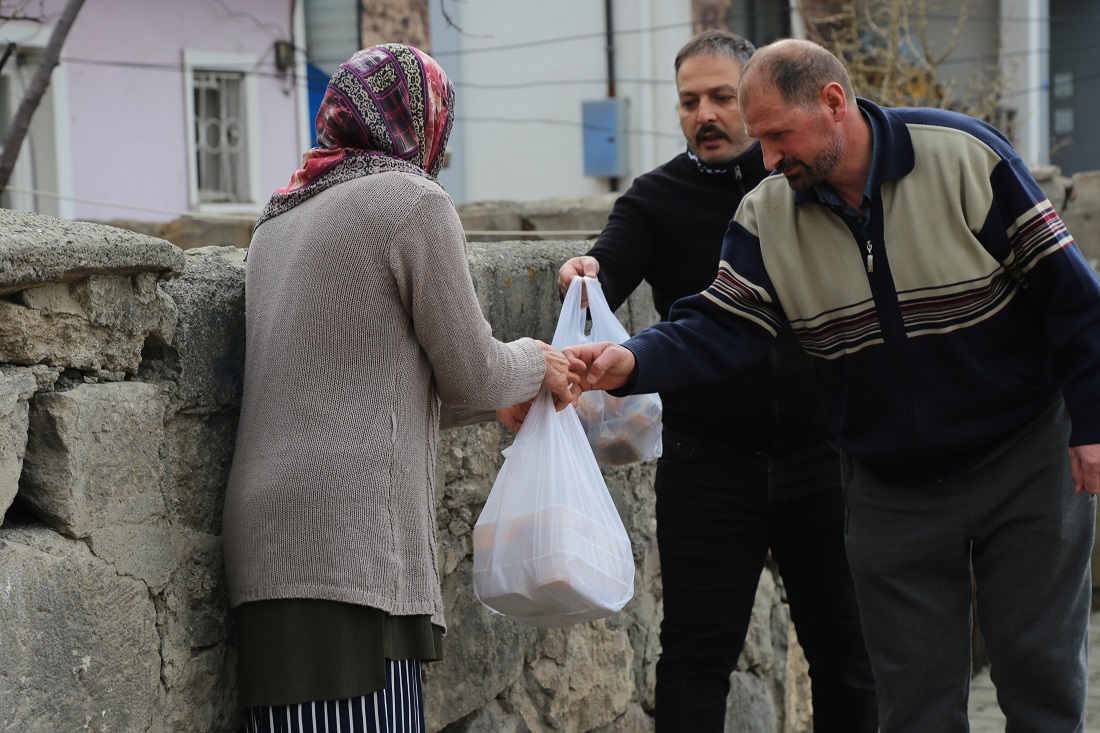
x=710 y=129
x=787 y=163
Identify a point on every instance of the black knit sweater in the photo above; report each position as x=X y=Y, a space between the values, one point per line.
x=667 y=229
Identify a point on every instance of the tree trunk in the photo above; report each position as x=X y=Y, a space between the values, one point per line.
x=21 y=120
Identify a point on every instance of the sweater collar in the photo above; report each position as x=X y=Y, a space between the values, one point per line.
x=730 y=166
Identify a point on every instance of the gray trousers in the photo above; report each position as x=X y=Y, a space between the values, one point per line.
x=1017 y=523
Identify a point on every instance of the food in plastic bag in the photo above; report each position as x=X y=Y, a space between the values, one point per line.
x=549 y=546
x=563 y=585
x=621 y=430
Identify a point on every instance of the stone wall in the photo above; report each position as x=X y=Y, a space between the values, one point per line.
x=120 y=374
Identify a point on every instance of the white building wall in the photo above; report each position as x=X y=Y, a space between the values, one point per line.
x=120 y=107
x=1025 y=35
x=521 y=71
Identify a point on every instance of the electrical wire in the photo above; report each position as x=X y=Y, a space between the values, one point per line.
x=135 y=207
x=250 y=218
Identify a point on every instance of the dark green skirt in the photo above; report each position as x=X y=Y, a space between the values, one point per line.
x=302 y=650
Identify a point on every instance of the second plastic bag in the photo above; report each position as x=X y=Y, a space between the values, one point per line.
x=621 y=430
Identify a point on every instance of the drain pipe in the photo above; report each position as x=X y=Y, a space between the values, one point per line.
x=609 y=24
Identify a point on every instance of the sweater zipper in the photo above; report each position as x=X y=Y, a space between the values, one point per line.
x=893 y=330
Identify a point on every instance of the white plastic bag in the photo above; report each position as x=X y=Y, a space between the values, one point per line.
x=549 y=546
x=621 y=430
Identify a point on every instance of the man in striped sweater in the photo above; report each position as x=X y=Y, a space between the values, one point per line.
x=955 y=331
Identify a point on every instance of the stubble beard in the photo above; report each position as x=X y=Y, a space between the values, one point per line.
x=816 y=173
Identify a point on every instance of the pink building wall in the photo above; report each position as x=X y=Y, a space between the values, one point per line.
x=125 y=99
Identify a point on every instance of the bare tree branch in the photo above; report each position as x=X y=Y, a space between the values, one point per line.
x=21 y=120
x=888 y=51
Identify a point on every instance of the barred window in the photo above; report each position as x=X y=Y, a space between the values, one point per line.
x=221 y=155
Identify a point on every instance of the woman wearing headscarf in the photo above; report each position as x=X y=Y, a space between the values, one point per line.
x=364 y=337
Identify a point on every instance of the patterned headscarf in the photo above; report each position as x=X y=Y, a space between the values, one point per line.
x=387 y=108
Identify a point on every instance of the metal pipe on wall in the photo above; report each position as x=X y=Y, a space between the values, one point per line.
x=609 y=25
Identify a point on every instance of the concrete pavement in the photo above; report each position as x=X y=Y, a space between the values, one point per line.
x=986 y=717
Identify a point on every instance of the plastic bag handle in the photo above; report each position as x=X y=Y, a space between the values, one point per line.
x=571 y=321
x=605 y=326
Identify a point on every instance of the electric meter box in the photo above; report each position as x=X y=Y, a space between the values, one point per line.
x=605 y=138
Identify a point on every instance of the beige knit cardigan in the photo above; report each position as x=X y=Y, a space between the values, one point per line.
x=361 y=319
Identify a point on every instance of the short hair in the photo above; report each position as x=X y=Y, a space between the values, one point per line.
x=716 y=43
x=799 y=70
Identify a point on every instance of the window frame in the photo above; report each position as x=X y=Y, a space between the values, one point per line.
x=245 y=64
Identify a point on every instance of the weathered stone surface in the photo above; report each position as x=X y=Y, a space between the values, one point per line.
x=198 y=452
x=799 y=713
x=483 y=655
x=568 y=213
x=79 y=648
x=542 y=219
x=750 y=707
x=98 y=323
x=517 y=285
x=16 y=388
x=480 y=216
x=208 y=343
x=36 y=249
x=204 y=365
x=93 y=458
x=590 y=663
x=199 y=667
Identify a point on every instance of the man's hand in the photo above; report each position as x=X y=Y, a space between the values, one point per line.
x=1084 y=464
x=562 y=372
x=605 y=365
x=583 y=266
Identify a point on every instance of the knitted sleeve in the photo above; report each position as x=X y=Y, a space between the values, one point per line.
x=427 y=258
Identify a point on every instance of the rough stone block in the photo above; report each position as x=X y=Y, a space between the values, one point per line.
x=484 y=655
x=568 y=214
x=80 y=648
x=38 y=249
x=589 y=660
x=209 y=336
x=94 y=457
x=198 y=455
x=517 y=285
x=16 y=388
x=97 y=323
x=199 y=669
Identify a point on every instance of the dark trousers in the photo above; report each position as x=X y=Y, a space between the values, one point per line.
x=718 y=515
x=1016 y=522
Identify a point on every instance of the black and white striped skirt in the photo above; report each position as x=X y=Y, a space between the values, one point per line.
x=397 y=708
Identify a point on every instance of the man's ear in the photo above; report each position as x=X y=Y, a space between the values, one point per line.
x=832 y=96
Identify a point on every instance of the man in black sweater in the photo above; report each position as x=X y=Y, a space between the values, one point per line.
x=747 y=466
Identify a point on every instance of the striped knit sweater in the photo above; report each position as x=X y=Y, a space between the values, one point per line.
x=361 y=318
x=979 y=308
